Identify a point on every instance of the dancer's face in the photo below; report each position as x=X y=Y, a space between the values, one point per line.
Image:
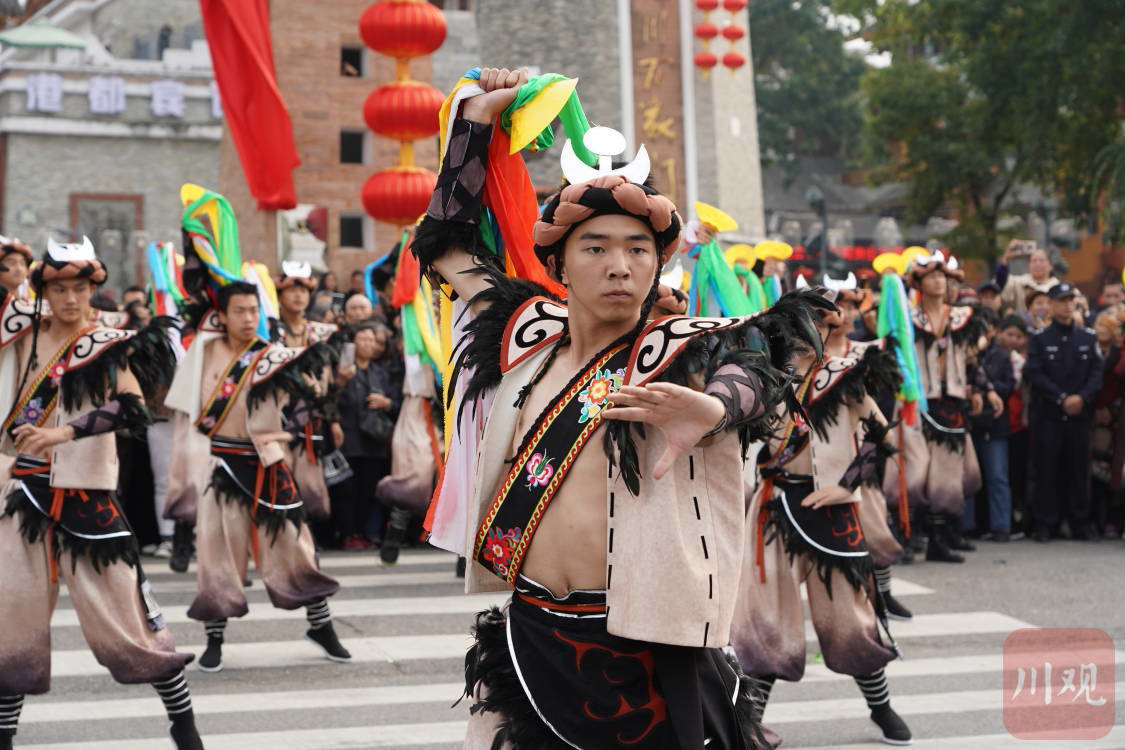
x=934 y=284
x=69 y=299
x=241 y=317
x=15 y=273
x=609 y=264
x=294 y=299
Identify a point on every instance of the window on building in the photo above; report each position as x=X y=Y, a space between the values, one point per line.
x=351 y=230
x=351 y=61
x=352 y=146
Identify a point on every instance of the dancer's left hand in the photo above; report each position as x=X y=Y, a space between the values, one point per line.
x=681 y=414
x=834 y=495
x=34 y=441
x=669 y=301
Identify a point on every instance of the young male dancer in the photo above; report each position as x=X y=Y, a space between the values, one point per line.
x=78 y=383
x=623 y=547
x=807 y=529
x=946 y=338
x=231 y=478
x=295 y=287
x=881 y=543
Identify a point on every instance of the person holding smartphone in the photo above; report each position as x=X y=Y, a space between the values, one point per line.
x=369 y=403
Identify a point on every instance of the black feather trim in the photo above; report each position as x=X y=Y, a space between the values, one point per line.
x=489 y=662
x=435 y=237
x=148 y=355
x=858 y=571
x=970 y=334
x=272 y=521
x=875 y=432
x=875 y=374
x=479 y=350
x=35 y=526
x=293 y=377
x=744 y=708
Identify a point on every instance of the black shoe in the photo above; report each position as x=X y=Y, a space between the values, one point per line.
x=182 y=547
x=895 y=731
x=325 y=637
x=212 y=658
x=937 y=551
x=908 y=552
x=6 y=740
x=1042 y=534
x=184 y=733
x=895 y=609
x=955 y=539
x=1001 y=536
x=460 y=569
x=396 y=533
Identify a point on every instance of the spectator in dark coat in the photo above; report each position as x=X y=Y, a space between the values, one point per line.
x=369 y=403
x=990 y=437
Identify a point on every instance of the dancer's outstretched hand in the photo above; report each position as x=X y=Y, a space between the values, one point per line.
x=34 y=441
x=683 y=415
x=500 y=86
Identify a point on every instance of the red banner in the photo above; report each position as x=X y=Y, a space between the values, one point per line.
x=238 y=33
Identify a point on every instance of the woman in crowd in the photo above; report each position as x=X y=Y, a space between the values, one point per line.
x=369 y=404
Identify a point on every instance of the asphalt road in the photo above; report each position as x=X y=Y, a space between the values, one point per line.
x=407 y=625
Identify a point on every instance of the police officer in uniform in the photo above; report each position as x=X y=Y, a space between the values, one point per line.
x=1065 y=372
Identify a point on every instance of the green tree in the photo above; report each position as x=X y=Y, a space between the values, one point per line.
x=806 y=84
x=983 y=95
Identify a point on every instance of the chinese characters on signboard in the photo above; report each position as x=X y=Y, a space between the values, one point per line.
x=658 y=94
x=107 y=95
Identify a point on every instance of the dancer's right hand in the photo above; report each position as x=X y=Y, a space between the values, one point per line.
x=501 y=86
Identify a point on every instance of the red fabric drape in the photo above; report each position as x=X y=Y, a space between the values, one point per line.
x=238 y=33
x=509 y=193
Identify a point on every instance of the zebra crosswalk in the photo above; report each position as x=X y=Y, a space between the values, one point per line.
x=407 y=628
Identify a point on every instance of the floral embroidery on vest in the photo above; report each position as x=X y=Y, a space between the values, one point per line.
x=595 y=396
x=540 y=469
x=499 y=546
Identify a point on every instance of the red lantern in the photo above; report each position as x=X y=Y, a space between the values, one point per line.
x=405 y=110
x=706 y=60
x=399 y=195
x=403 y=28
x=706 y=31
x=707 y=5
x=734 y=60
x=734 y=32
x=734 y=5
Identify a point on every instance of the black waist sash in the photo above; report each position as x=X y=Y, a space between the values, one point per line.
x=945 y=422
x=597 y=690
x=831 y=536
x=545 y=456
x=269 y=493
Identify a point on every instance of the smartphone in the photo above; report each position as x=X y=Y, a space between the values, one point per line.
x=1025 y=248
x=347 y=356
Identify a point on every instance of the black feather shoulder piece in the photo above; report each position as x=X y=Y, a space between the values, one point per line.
x=479 y=350
x=971 y=332
x=294 y=378
x=148 y=354
x=874 y=374
x=434 y=238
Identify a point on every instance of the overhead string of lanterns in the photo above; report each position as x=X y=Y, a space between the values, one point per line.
x=731 y=31
x=406 y=110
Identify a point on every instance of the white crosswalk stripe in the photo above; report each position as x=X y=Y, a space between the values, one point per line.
x=407 y=630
